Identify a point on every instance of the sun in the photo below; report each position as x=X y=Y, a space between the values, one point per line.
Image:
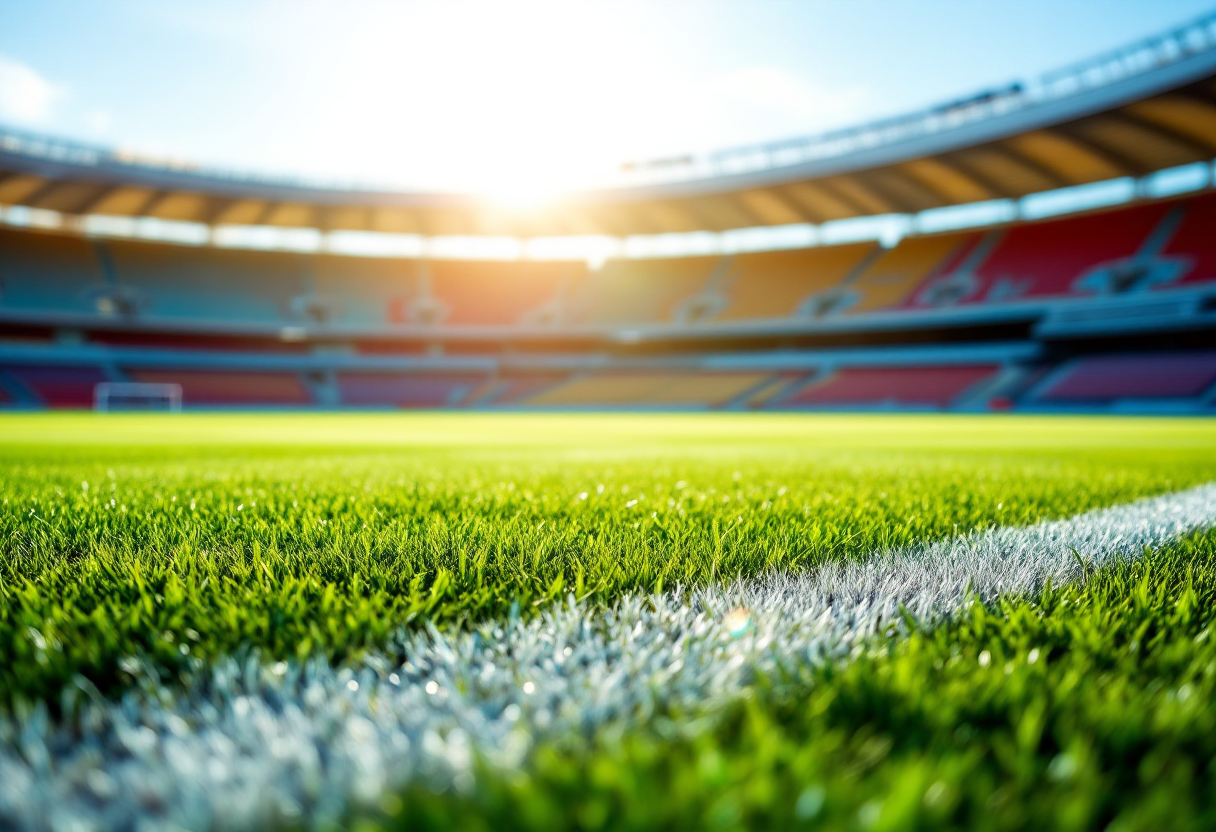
x=524 y=195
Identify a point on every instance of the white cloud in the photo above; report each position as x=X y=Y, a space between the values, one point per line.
x=26 y=97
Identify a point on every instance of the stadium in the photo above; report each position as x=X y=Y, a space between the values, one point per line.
x=1108 y=307
x=943 y=558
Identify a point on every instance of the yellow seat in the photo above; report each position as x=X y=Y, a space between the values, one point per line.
x=772 y=284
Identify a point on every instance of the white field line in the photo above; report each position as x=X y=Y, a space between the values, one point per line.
x=254 y=744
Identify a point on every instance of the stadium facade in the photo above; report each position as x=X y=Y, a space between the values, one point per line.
x=1108 y=308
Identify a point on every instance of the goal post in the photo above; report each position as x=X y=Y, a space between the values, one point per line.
x=131 y=395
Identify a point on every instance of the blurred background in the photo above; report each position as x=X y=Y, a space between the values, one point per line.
x=931 y=204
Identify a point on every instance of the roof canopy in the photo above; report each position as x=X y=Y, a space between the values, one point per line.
x=1141 y=109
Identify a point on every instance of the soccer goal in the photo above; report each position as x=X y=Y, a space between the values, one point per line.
x=130 y=395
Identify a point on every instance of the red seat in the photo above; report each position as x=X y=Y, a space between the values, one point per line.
x=60 y=386
x=209 y=387
x=1195 y=240
x=406 y=390
x=1103 y=378
x=892 y=385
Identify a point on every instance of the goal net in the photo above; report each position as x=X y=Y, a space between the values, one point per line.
x=130 y=395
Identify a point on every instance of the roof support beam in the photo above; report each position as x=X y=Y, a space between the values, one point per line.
x=88 y=206
x=945 y=179
x=997 y=190
x=216 y=210
x=1201 y=151
x=1036 y=166
x=883 y=190
x=266 y=213
x=150 y=204
x=1133 y=167
x=48 y=187
x=855 y=209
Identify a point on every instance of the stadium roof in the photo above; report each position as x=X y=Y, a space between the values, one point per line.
x=1147 y=107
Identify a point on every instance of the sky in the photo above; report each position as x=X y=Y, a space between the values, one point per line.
x=513 y=97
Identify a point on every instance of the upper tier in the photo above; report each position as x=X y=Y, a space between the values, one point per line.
x=1133 y=256
x=1141 y=109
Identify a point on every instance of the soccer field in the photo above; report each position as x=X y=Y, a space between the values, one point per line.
x=606 y=621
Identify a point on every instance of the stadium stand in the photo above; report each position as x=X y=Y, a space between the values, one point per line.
x=58 y=386
x=651 y=388
x=367 y=305
x=1195 y=241
x=1110 y=377
x=1046 y=258
x=954 y=277
x=629 y=292
x=45 y=272
x=516 y=388
x=204 y=283
x=1107 y=308
x=369 y=389
x=923 y=386
x=224 y=389
x=501 y=293
x=360 y=291
x=776 y=284
x=889 y=280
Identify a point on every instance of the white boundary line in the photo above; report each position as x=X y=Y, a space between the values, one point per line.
x=255 y=744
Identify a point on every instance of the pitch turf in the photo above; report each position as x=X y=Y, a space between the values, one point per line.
x=198 y=538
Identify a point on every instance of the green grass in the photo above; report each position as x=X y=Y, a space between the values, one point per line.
x=1087 y=707
x=200 y=535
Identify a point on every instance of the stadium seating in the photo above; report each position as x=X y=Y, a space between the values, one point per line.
x=1109 y=377
x=361 y=291
x=475 y=292
x=212 y=284
x=372 y=389
x=208 y=387
x=1045 y=258
x=637 y=291
x=889 y=280
x=772 y=284
x=1195 y=240
x=923 y=386
x=61 y=386
x=653 y=389
x=515 y=388
x=43 y=272
x=242 y=302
